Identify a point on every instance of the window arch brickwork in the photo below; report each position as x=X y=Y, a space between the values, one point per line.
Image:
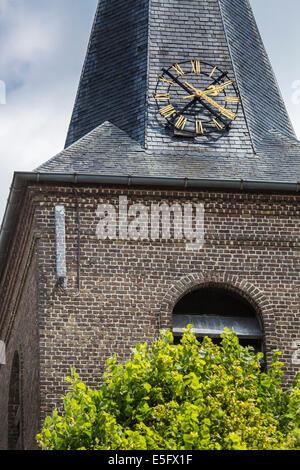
x=243 y=288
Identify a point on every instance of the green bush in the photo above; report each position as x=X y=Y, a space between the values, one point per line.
x=190 y=396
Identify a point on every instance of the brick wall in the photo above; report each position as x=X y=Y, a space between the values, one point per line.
x=127 y=288
x=252 y=243
x=19 y=329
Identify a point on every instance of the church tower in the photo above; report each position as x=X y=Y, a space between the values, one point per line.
x=174 y=201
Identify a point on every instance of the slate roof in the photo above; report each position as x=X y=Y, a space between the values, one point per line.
x=113 y=83
x=107 y=150
x=114 y=128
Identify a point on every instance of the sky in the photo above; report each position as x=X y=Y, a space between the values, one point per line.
x=42 y=50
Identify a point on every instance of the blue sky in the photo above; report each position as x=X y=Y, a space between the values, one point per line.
x=43 y=45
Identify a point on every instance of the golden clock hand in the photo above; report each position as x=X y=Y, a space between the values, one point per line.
x=189 y=96
x=211 y=90
x=203 y=94
x=192 y=87
x=226 y=112
x=215 y=90
x=175 y=80
x=197 y=94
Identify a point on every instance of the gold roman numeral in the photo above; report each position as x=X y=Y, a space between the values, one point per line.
x=217 y=124
x=181 y=122
x=213 y=71
x=178 y=69
x=167 y=111
x=199 y=127
x=196 y=67
x=232 y=99
x=163 y=79
x=162 y=96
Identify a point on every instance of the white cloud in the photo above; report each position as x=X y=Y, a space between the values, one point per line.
x=42 y=50
x=4 y=5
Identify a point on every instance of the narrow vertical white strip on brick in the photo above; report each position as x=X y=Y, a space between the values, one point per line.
x=2 y=353
x=60 y=229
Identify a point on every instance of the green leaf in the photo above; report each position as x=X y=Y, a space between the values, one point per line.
x=187 y=396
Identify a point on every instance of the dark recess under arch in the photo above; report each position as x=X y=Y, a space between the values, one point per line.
x=212 y=308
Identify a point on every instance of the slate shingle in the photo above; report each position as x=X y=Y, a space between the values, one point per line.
x=115 y=128
x=94 y=154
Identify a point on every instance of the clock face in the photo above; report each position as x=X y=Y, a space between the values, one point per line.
x=196 y=98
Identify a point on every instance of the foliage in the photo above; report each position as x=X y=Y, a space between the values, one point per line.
x=180 y=397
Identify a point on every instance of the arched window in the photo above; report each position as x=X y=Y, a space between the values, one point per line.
x=211 y=309
x=14 y=406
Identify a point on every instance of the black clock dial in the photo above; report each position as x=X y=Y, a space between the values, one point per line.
x=196 y=98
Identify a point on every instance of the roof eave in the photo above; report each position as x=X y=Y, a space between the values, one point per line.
x=22 y=179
